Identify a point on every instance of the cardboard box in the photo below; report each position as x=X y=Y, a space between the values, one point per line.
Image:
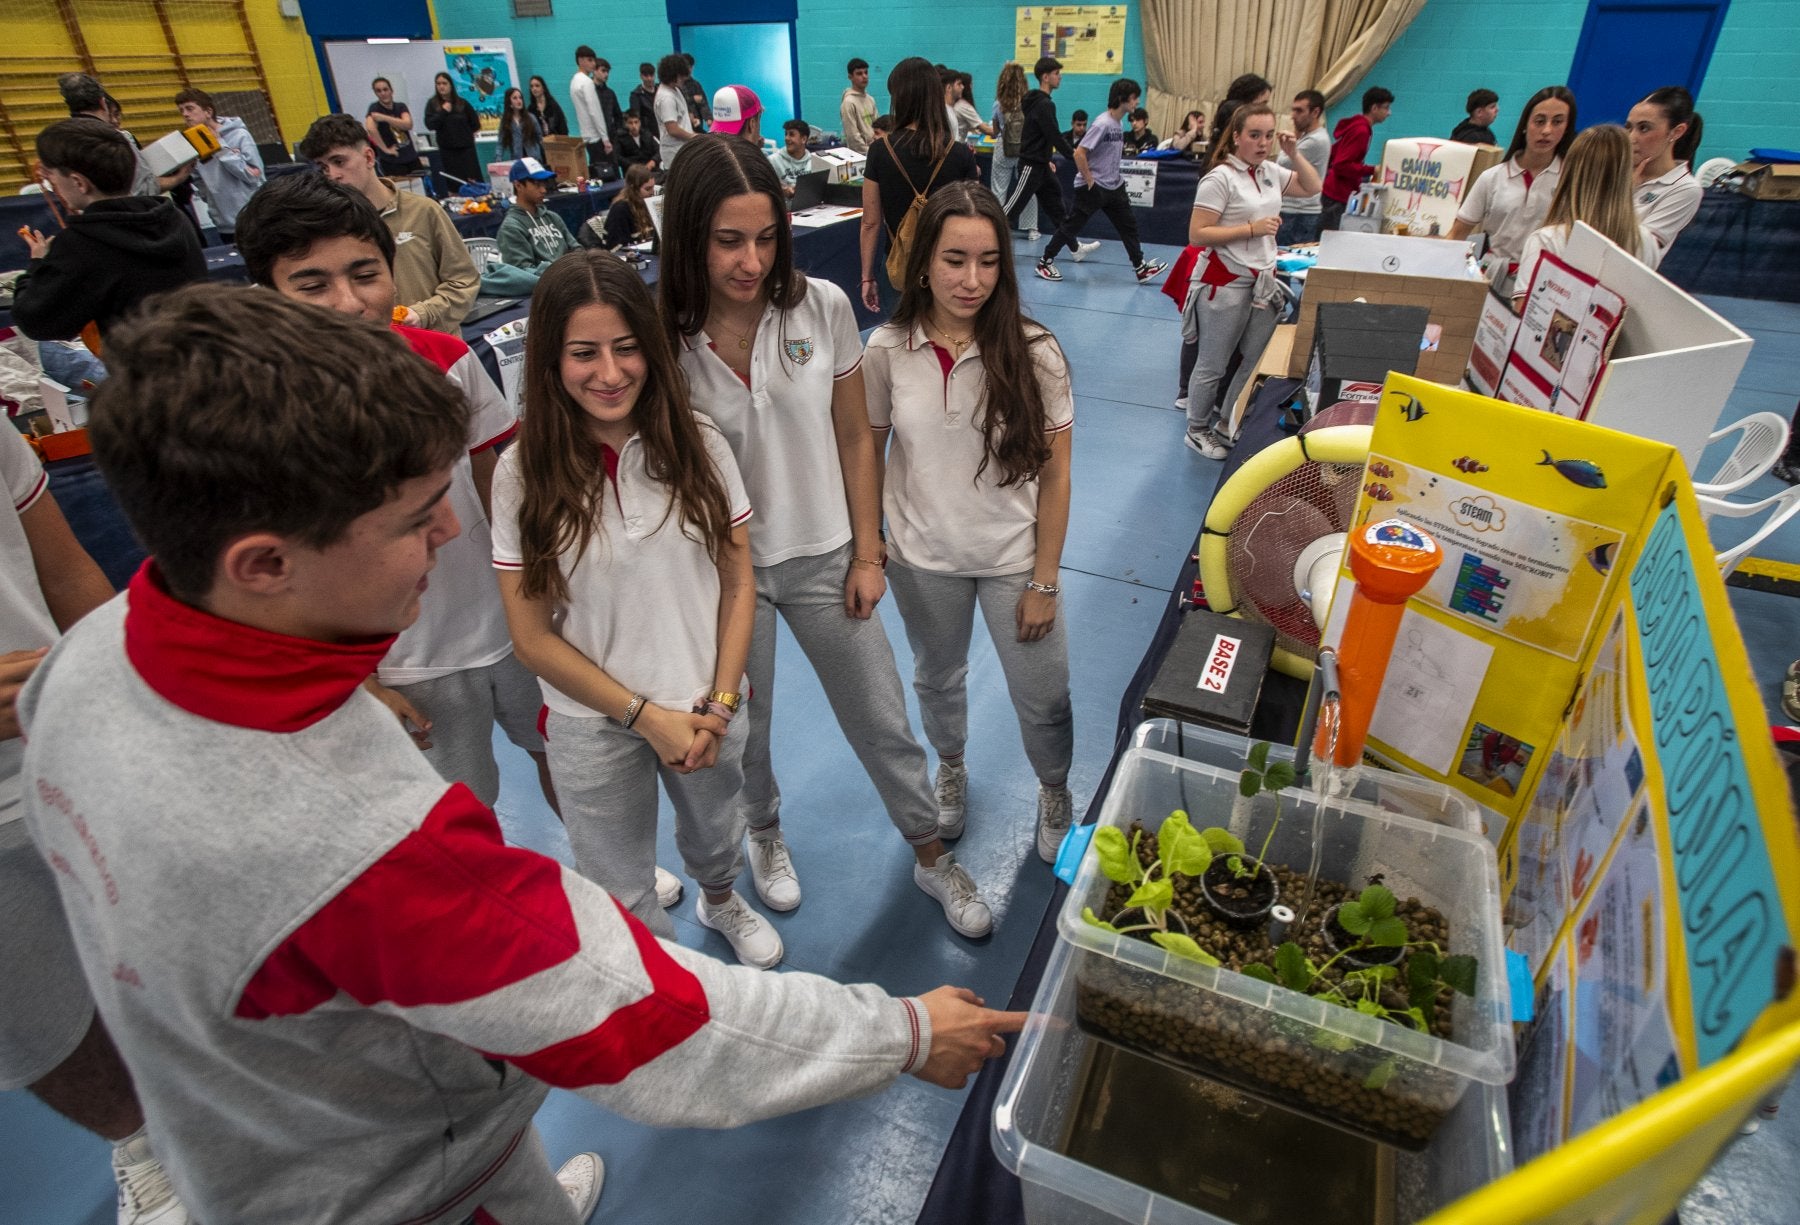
x=842 y=164
x=567 y=155
x=1385 y=268
x=1769 y=180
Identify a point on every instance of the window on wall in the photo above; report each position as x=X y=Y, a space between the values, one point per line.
x=142 y=52
x=757 y=54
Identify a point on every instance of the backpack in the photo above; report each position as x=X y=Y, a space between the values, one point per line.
x=1012 y=132
x=900 y=237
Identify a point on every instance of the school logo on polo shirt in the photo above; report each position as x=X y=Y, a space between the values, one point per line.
x=800 y=351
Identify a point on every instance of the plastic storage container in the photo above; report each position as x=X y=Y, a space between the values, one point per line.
x=1192 y=1155
x=1378 y=1079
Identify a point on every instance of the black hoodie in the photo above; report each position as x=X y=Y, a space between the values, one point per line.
x=114 y=254
x=1042 y=135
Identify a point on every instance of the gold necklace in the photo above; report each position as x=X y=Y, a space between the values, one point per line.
x=743 y=337
x=958 y=345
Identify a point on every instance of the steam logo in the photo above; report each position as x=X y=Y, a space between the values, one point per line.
x=1480 y=512
x=1390 y=263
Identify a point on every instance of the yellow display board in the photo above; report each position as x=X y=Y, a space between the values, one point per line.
x=1084 y=37
x=1575 y=667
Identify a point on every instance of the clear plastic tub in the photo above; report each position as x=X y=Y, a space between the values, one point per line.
x=1378 y=1079
x=1388 y=790
x=1088 y=1152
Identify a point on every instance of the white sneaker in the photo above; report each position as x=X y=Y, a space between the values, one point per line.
x=772 y=871
x=582 y=1176
x=1181 y=403
x=754 y=941
x=950 y=883
x=952 y=800
x=668 y=887
x=145 y=1195
x=1031 y=235
x=1055 y=812
x=1085 y=249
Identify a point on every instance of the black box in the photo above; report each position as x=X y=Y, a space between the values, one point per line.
x=1360 y=343
x=1213 y=673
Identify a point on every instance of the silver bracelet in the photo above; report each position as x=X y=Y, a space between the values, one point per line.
x=633 y=710
x=1043 y=588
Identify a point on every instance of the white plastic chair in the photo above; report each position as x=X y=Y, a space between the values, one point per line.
x=486 y=253
x=1764 y=436
x=1780 y=507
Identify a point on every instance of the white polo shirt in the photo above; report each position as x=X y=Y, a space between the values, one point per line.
x=461 y=623
x=940 y=516
x=779 y=426
x=1506 y=207
x=1239 y=195
x=643 y=595
x=1554 y=238
x=1668 y=202
x=25 y=620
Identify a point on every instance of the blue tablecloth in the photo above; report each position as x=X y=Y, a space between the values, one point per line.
x=1740 y=248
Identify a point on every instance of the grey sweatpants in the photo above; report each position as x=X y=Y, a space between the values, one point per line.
x=1223 y=321
x=463 y=707
x=524 y=1189
x=606 y=777
x=939 y=613
x=855 y=663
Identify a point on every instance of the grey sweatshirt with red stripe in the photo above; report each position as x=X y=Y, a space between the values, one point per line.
x=340 y=993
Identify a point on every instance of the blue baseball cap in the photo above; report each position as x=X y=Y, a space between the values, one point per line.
x=530 y=168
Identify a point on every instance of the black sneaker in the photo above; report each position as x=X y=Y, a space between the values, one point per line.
x=1149 y=270
x=1048 y=270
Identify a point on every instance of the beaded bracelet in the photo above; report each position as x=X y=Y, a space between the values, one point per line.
x=1042 y=588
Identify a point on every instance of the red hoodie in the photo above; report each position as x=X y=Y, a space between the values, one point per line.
x=1349 y=145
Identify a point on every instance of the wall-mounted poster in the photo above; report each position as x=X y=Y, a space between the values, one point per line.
x=1084 y=37
x=482 y=75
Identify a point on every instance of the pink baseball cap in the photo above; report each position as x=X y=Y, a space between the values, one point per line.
x=734 y=106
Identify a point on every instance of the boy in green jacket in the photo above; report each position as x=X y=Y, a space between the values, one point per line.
x=532 y=236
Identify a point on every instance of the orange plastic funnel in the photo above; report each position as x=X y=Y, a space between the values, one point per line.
x=1391 y=562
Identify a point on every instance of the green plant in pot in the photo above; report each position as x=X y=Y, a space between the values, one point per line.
x=1240 y=888
x=1180 y=850
x=1405 y=995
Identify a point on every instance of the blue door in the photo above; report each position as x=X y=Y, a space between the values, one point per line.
x=1630 y=47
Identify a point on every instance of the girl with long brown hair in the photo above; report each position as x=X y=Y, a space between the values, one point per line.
x=628 y=220
x=519 y=132
x=621 y=543
x=1595 y=187
x=775 y=359
x=974 y=404
x=1009 y=125
x=1510 y=200
x=1233 y=298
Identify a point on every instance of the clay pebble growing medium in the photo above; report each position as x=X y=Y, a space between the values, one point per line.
x=1264 y=1052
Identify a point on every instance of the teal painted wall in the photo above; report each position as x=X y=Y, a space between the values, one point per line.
x=1514 y=47
x=975 y=37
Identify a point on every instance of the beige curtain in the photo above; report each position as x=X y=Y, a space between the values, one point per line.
x=1194 y=48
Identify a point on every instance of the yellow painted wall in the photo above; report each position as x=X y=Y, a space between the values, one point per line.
x=132 y=57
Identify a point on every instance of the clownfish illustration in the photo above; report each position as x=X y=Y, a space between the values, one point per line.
x=1377 y=468
x=1471 y=466
x=1379 y=491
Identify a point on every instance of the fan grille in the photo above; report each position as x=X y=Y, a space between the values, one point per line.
x=1314 y=500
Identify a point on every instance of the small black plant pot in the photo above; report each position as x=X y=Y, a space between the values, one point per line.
x=1340 y=940
x=1241 y=902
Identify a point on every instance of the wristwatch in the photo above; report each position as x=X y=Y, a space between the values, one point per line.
x=729 y=700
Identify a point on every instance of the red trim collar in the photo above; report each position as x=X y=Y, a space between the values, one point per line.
x=234 y=673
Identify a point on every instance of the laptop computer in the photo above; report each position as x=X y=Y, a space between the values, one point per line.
x=809 y=189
